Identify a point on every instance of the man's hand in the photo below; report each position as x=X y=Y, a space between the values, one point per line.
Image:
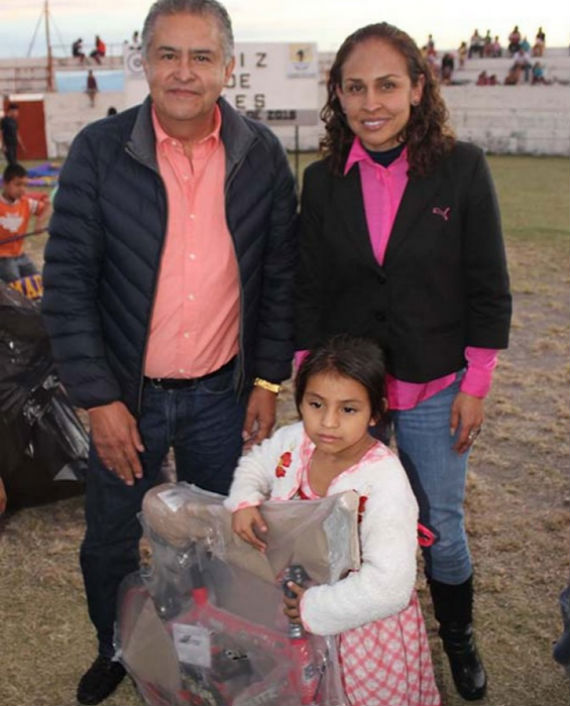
x=116 y=438
x=259 y=416
x=467 y=413
x=244 y=522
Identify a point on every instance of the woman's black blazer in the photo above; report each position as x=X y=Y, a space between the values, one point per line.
x=443 y=285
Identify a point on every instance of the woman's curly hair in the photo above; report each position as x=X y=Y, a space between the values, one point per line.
x=427 y=134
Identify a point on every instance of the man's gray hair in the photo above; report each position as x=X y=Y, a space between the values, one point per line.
x=192 y=7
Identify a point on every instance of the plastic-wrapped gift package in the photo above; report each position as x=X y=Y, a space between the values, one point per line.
x=202 y=622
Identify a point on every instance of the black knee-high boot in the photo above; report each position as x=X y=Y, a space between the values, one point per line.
x=453 y=607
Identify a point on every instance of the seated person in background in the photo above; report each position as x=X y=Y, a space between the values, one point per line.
x=77 y=50
x=476 y=44
x=496 y=49
x=522 y=60
x=539 y=43
x=447 y=66
x=482 y=79
x=538 y=74
x=100 y=49
x=513 y=77
x=514 y=41
x=524 y=45
x=16 y=210
x=493 y=80
x=488 y=44
x=462 y=54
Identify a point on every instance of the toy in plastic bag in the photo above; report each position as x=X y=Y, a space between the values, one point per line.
x=205 y=624
x=41 y=437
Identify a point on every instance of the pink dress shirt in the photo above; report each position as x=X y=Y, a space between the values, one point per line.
x=382 y=191
x=195 y=320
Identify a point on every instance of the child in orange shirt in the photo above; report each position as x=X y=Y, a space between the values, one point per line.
x=16 y=210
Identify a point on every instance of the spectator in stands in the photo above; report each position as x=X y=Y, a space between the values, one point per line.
x=522 y=60
x=488 y=44
x=496 y=49
x=514 y=41
x=462 y=54
x=77 y=50
x=92 y=87
x=100 y=49
x=447 y=67
x=539 y=43
x=493 y=80
x=538 y=74
x=514 y=75
x=476 y=45
x=482 y=79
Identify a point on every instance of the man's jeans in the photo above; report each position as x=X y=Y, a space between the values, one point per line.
x=203 y=423
x=437 y=474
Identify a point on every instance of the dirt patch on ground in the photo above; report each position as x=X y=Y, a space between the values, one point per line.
x=518 y=521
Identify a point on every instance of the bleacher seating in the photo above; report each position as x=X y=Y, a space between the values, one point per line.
x=556 y=62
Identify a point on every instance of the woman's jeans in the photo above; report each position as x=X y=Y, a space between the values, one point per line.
x=203 y=423
x=437 y=474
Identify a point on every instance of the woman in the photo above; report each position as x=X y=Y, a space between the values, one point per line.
x=401 y=242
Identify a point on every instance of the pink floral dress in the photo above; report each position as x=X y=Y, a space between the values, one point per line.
x=386 y=662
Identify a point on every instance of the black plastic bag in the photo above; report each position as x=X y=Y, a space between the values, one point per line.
x=42 y=439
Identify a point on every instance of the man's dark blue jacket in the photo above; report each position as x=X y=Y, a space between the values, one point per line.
x=106 y=239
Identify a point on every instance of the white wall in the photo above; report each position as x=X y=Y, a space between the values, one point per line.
x=67 y=113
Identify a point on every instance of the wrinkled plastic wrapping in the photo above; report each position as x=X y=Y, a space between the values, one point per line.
x=41 y=437
x=298 y=532
x=203 y=623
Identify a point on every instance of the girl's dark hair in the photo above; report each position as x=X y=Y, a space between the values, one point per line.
x=427 y=133
x=352 y=357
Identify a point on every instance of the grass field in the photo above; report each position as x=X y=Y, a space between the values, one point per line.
x=518 y=494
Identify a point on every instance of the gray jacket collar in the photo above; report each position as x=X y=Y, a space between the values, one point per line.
x=236 y=135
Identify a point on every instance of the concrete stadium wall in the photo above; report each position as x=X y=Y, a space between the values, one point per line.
x=67 y=113
x=502 y=119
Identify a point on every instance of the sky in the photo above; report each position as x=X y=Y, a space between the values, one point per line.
x=326 y=22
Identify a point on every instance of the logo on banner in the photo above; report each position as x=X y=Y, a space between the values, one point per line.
x=133 y=62
x=302 y=61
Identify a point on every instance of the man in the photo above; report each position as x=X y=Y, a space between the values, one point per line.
x=168 y=289
x=77 y=50
x=10 y=138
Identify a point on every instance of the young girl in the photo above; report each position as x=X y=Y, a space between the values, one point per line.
x=384 y=652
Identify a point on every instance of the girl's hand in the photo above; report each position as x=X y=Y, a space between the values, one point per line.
x=467 y=413
x=293 y=605
x=243 y=524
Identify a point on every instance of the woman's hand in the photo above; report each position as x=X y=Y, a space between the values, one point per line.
x=245 y=521
x=467 y=414
x=293 y=605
